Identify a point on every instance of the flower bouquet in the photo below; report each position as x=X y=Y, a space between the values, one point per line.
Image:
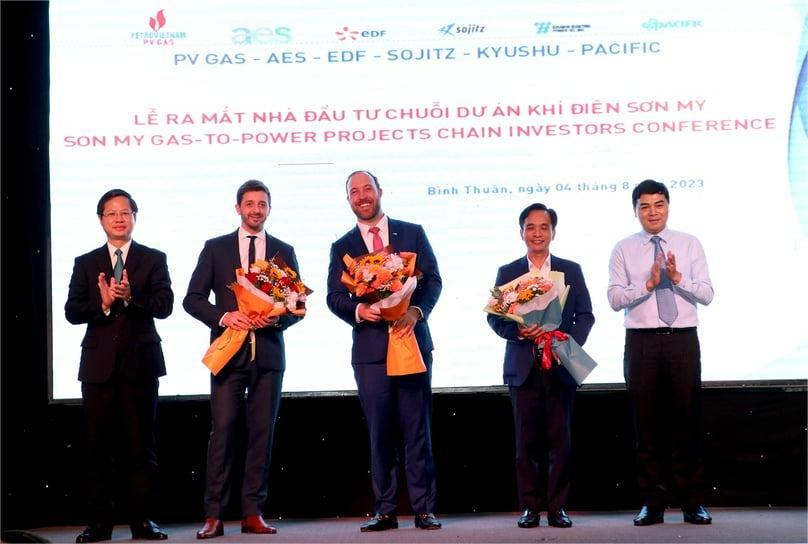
x=532 y=299
x=387 y=280
x=269 y=288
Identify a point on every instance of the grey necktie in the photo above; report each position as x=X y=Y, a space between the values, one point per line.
x=118 y=270
x=666 y=303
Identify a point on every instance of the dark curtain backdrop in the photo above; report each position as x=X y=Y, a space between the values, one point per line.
x=755 y=432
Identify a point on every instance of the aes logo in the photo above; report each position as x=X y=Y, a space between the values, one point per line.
x=262 y=35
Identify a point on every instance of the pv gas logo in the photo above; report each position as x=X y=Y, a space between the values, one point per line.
x=347 y=34
x=158 y=36
x=453 y=29
x=261 y=35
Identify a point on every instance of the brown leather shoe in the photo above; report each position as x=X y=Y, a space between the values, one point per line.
x=257 y=525
x=213 y=527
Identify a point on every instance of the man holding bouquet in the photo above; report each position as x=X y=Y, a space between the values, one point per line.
x=398 y=409
x=257 y=369
x=542 y=398
x=657 y=277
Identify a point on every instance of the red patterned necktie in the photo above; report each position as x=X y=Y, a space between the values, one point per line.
x=377 y=240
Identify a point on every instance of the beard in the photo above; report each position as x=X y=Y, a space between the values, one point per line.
x=369 y=214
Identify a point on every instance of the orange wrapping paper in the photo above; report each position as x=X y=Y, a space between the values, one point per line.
x=252 y=302
x=403 y=354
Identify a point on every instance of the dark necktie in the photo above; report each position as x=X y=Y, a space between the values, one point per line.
x=251 y=252
x=666 y=303
x=118 y=270
x=377 y=240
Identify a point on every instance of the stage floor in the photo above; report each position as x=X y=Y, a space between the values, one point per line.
x=729 y=525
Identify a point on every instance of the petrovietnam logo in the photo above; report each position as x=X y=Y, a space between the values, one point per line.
x=158 y=21
x=158 y=36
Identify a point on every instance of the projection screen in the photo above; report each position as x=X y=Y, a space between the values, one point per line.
x=466 y=112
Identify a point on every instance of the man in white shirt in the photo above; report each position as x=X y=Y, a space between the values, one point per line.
x=657 y=277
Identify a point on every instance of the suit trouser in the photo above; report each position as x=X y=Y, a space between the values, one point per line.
x=398 y=411
x=263 y=393
x=663 y=376
x=542 y=415
x=119 y=418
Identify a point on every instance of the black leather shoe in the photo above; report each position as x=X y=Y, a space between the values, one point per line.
x=95 y=533
x=697 y=516
x=649 y=516
x=380 y=522
x=529 y=518
x=559 y=518
x=147 y=530
x=427 y=521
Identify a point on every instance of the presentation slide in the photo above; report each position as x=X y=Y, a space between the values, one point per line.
x=466 y=112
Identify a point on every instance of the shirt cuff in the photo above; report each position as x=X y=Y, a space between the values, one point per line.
x=420 y=312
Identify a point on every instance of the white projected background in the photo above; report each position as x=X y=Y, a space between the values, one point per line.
x=467 y=112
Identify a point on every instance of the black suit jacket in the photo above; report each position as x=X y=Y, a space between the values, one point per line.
x=576 y=319
x=370 y=339
x=215 y=271
x=127 y=334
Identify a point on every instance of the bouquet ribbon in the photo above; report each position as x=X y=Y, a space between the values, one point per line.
x=547 y=354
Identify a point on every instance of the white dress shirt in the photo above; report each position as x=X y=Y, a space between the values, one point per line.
x=630 y=267
x=244 y=246
x=113 y=258
x=124 y=252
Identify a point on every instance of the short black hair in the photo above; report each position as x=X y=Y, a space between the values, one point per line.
x=109 y=195
x=367 y=173
x=538 y=206
x=252 y=185
x=649 y=187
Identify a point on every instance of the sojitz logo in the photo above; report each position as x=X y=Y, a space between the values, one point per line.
x=453 y=29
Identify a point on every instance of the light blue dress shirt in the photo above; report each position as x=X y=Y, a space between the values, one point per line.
x=630 y=267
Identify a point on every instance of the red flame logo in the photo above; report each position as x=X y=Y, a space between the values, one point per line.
x=157 y=22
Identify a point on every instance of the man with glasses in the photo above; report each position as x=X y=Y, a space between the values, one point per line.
x=118 y=290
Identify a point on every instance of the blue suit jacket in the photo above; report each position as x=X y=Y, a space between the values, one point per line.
x=576 y=320
x=215 y=270
x=370 y=339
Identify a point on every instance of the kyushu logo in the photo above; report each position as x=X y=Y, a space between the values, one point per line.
x=158 y=21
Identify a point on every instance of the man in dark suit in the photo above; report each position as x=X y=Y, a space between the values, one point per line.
x=542 y=399
x=398 y=409
x=260 y=378
x=118 y=290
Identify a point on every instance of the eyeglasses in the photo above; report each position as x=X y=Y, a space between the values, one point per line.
x=123 y=214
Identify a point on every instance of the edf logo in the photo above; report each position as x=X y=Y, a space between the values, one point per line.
x=346 y=33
